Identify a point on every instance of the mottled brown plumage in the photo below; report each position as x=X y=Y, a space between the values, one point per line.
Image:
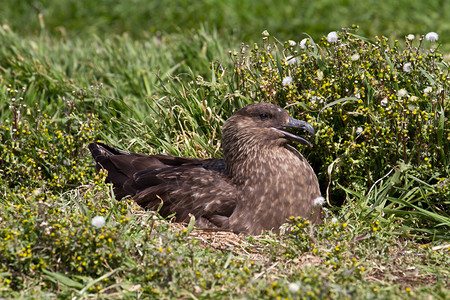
x=260 y=182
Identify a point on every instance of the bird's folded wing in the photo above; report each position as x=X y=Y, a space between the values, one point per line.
x=185 y=190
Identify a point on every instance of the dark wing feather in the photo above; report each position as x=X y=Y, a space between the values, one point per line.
x=186 y=190
x=122 y=165
x=185 y=185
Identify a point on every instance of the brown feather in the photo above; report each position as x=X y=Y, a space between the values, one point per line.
x=260 y=183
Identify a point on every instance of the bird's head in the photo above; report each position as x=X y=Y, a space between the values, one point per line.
x=263 y=124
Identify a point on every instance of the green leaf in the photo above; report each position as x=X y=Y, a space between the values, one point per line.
x=93 y=282
x=190 y=225
x=428 y=76
x=345 y=99
x=440 y=135
x=62 y=279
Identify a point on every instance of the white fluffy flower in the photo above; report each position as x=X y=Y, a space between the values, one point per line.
x=359 y=130
x=354 y=57
x=287 y=80
x=432 y=36
x=427 y=90
x=293 y=287
x=37 y=192
x=412 y=107
x=291 y=60
x=407 y=67
x=402 y=93
x=384 y=102
x=319 y=201
x=319 y=75
x=332 y=37
x=292 y=43
x=413 y=98
x=315 y=99
x=302 y=43
x=334 y=220
x=410 y=37
x=98 y=221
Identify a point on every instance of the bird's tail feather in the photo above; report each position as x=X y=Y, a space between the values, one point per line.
x=100 y=149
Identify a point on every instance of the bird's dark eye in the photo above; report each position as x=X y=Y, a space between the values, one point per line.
x=263 y=116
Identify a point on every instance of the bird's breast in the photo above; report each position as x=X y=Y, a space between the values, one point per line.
x=274 y=186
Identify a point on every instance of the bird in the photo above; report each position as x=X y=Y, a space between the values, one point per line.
x=261 y=181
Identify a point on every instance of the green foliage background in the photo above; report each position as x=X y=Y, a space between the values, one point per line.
x=244 y=19
x=162 y=76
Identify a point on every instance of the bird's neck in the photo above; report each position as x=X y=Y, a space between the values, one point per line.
x=256 y=166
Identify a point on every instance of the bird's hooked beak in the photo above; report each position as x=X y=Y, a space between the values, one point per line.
x=296 y=124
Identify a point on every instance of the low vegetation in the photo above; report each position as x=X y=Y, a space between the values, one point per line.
x=380 y=108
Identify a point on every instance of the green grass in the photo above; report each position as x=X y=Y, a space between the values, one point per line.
x=246 y=19
x=164 y=80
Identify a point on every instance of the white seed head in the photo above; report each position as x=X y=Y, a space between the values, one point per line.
x=302 y=43
x=319 y=75
x=291 y=60
x=432 y=36
x=407 y=67
x=293 y=287
x=354 y=57
x=402 y=93
x=98 y=221
x=412 y=107
x=319 y=201
x=287 y=80
x=332 y=37
x=359 y=130
x=37 y=192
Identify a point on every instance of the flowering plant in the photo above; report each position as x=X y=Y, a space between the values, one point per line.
x=381 y=111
